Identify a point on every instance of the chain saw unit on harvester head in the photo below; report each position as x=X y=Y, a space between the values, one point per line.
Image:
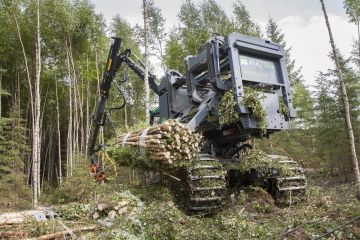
x=234 y=65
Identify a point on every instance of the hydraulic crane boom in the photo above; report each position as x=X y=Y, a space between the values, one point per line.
x=114 y=61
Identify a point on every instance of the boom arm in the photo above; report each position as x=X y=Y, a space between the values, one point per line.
x=113 y=64
x=139 y=69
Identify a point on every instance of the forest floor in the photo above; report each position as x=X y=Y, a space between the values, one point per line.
x=153 y=212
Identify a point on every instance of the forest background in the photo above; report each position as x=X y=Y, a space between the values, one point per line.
x=52 y=55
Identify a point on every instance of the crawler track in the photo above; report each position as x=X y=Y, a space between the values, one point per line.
x=207 y=185
x=291 y=187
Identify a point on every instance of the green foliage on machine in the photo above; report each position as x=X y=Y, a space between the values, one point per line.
x=252 y=101
x=282 y=107
x=227 y=110
x=263 y=163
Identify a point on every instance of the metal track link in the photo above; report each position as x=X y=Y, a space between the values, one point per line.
x=205 y=167
x=208 y=188
x=289 y=189
x=195 y=178
x=207 y=185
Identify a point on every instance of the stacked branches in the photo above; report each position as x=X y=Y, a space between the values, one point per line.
x=252 y=101
x=167 y=144
x=282 y=107
x=227 y=109
x=263 y=163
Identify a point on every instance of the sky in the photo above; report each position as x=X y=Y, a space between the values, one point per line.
x=301 y=21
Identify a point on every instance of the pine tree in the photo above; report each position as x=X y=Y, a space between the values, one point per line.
x=330 y=131
x=13 y=148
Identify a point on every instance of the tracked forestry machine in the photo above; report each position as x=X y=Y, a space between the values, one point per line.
x=237 y=66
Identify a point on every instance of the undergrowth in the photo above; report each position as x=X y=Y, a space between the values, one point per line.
x=249 y=213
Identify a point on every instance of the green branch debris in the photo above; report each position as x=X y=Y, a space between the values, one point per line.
x=252 y=101
x=227 y=110
x=283 y=108
x=263 y=163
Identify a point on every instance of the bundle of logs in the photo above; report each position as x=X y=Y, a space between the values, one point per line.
x=170 y=143
x=111 y=211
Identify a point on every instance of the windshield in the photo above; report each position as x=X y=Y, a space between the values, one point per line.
x=259 y=70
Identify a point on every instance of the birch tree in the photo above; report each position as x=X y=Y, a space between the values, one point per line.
x=36 y=130
x=345 y=103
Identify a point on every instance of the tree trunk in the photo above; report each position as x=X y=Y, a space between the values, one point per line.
x=82 y=132
x=76 y=100
x=146 y=75
x=31 y=118
x=69 y=157
x=36 y=131
x=46 y=157
x=346 y=104
x=1 y=70
x=27 y=72
x=125 y=118
x=87 y=113
x=58 y=130
x=358 y=32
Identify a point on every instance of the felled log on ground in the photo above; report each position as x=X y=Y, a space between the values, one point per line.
x=11 y=234
x=19 y=217
x=61 y=234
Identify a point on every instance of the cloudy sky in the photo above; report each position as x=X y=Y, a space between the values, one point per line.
x=301 y=21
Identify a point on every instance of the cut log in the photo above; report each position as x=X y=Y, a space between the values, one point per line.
x=112 y=214
x=168 y=143
x=102 y=206
x=96 y=215
x=66 y=232
x=123 y=210
x=121 y=205
x=12 y=234
x=19 y=217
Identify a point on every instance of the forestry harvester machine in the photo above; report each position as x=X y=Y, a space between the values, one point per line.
x=224 y=65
